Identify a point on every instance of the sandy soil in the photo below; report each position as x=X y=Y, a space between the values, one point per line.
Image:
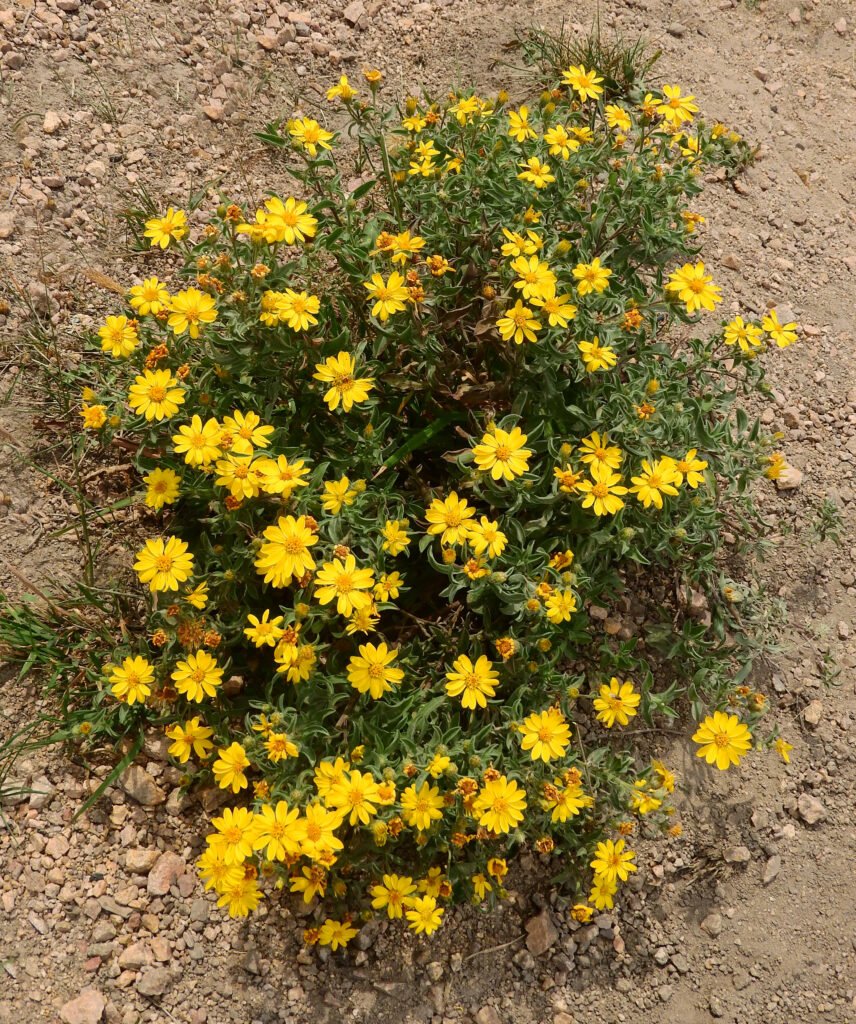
x=749 y=916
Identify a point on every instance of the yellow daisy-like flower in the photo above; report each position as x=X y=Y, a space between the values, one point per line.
x=561 y=142
x=395 y=536
x=372 y=671
x=536 y=173
x=501 y=453
x=191 y=738
x=450 y=518
x=613 y=862
x=309 y=135
x=285 y=554
x=388 y=297
x=94 y=416
x=279 y=746
x=198 y=676
x=234 y=837
x=676 y=108
x=190 y=310
x=346 y=583
x=279 y=476
x=596 y=449
x=264 y=631
x=519 y=127
x=693 y=287
x=198 y=442
x=172 y=227
x=119 y=336
x=297 y=309
x=162 y=488
x=246 y=432
x=617 y=117
x=782 y=334
x=535 y=277
x=617 y=702
x=241 y=897
x=240 y=474
x=485 y=536
x=336 y=934
x=518 y=245
x=558 y=308
x=569 y=479
x=156 y=394
x=656 y=479
x=342 y=90
x=641 y=800
x=229 y=768
x=783 y=749
x=164 y=564
x=546 y=734
x=317 y=829
x=592 y=277
x=150 y=297
x=519 y=324
x=338 y=371
x=337 y=495
x=560 y=606
x=738 y=332
x=424 y=915
x=500 y=805
x=586 y=84
x=355 y=795
x=473 y=683
x=277 y=831
x=132 y=682
x=691 y=469
x=282 y=222
x=596 y=356
x=422 y=807
x=724 y=739
x=390 y=894
x=602 y=491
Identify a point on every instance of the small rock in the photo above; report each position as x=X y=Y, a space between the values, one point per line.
x=213 y=111
x=665 y=993
x=791 y=417
x=541 y=933
x=57 y=846
x=165 y=871
x=712 y=924
x=789 y=479
x=200 y=910
x=139 y=785
x=137 y=955
x=715 y=1007
x=155 y=982
x=87 y=1008
x=771 y=869
x=141 y=862
x=737 y=855
x=42 y=789
x=661 y=956
x=51 y=123
x=795 y=16
x=840 y=26
x=354 y=13
x=810 y=809
x=434 y=970
x=813 y=713
x=488 y=1015
x=676 y=29
x=7 y=225
x=562 y=1018
x=680 y=963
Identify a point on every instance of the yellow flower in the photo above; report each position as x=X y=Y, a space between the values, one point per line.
x=596 y=449
x=389 y=296
x=641 y=800
x=500 y=805
x=603 y=890
x=155 y=394
x=395 y=536
x=240 y=897
x=119 y=336
x=190 y=310
x=311 y=882
x=150 y=297
x=246 y=432
x=198 y=442
x=420 y=808
x=738 y=332
x=309 y=135
x=724 y=739
x=437 y=765
x=517 y=245
x=782 y=334
x=612 y=861
x=518 y=125
x=665 y=777
x=560 y=141
x=601 y=492
x=592 y=277
x=617 y=702
x=164 y=564
x=569 y=479
x=316 y=831
x=586 y=84
x=198 y=676
x=501 y=453
x=481 y=887
x=372 y=671
x=486 y=536
x=424 y=915
x=691 y=468
x=277 y=831
x=655 y=480
x=335 y=934
x=388 y=586
x=233 y=840
x=404 y=245
x=346 y=583
x=617 y=117
x=94 y=416
x=596 y=356
x=449 y=518
x=162 y=488
x=338 y=371
x=560 y=605
x=535 y=277
x=582 y=913
x=172 y=227
x=132 y=682
x=536 y=173
x=342 y=90
x=285 y=555
x=297 y=309
x=357 y=793
x=264 y=631
x=229 y=768
x=675 y=108
x=192 y=737
x=337 y=494
x=279 y=747
x=414 y=123
x=565 y=802
x=559 y=308
x=391 y=894
x=783 y=749
x=546 y=734
x=473 y=683
x=279 y=476
x=519 y=324
x=281 y=222
x=694 y=287
x=240 y=474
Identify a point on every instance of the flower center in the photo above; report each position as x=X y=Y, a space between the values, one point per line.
x=471 y=681
x=600 y=491
x=376 y=671
x=293 y=546
x=233 y=836
x=157 y=393
x=345 y=583
x=163 y=563
x=313 y=832
x=502 y=454
x=721 y=739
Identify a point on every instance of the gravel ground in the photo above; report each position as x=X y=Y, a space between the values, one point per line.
x=749 y=916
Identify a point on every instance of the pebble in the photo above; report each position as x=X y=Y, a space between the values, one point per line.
x=771 y=869
x=86 y=1008
x=139 y=785
x=488 y=1015
x=789 y=479
x=154 y=982
x=810 y=809
x=51 y=123
x=165 y=871
x=737 y=855
x=141 y=862
x=712 y=924
x=541 y=933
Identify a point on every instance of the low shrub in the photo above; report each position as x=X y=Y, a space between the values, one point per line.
x=440 y=476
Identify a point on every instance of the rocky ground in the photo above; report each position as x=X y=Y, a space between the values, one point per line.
x=749 y=916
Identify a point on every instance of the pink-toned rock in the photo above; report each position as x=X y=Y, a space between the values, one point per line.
x=87 y=1008
x=51 y=123
x=167 y=869
x=141 y=862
